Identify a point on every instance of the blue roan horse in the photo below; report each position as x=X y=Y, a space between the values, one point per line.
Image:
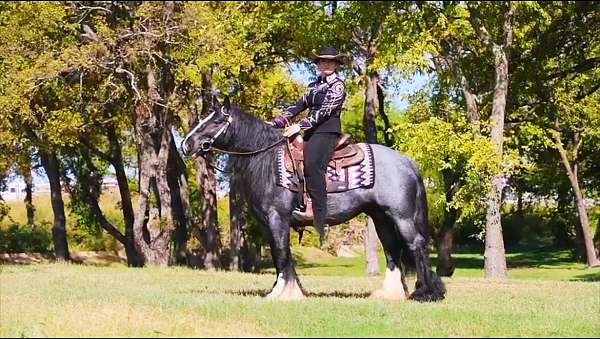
x=396 y=201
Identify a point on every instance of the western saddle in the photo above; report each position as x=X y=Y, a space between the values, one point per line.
x=344 y=156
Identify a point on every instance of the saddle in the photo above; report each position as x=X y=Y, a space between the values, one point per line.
x=344 y=156
x=350 y=167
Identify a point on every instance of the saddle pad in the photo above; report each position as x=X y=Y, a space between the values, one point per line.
x=339 y=179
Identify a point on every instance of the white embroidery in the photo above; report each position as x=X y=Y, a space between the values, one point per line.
x=333 y=99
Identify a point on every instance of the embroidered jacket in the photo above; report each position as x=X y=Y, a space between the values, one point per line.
x=324 y=99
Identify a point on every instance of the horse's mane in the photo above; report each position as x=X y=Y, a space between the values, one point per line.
x=249 y=133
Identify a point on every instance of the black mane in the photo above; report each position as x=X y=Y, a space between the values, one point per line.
x=248 y=133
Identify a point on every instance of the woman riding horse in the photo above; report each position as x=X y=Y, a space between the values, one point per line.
x=396 y=200
x=322 y=129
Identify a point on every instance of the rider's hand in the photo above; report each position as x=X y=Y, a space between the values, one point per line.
x=279 y=122
x=305 y=124
x=291 y=130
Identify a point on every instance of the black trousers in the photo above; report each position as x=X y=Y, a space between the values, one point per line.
x=318 y=150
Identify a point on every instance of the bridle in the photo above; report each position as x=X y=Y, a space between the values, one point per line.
x=207 y=144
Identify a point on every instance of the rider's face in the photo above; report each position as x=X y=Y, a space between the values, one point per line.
x=327 y=66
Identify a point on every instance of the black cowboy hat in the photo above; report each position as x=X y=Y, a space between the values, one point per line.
x=329 y=53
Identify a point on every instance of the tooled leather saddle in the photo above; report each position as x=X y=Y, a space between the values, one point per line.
x=350 y=167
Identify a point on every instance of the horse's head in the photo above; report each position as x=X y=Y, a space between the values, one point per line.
x=209 y=129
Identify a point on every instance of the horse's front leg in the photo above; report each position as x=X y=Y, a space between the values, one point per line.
x=287 y=286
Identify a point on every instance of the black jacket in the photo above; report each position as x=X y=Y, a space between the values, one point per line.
x=324 y=99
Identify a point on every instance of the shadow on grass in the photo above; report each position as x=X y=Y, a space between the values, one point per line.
x=88 y=258
x=518 y=258
x=589 y=277
x=463 y=262
x=302 y=263
x=539 y=257
x=332 y=294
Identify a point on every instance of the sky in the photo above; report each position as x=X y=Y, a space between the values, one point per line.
x=299 y=72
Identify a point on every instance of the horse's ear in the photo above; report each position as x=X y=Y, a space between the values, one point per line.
x=226 y=103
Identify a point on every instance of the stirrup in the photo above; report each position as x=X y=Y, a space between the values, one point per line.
x=303 y=214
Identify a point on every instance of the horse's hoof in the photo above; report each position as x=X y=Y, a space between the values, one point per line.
x=423 y=296
x=388 y=295
x=291 y=291
x=286 y=296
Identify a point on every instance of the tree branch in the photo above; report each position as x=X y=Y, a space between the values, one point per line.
x=508 y=27
x=96 y=7
x=132 y=79
x=588 y=93
x=480 y=29
x=584 y=66
x=102 y=155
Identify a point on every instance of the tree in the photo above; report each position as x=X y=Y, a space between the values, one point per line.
x=39 y=52
x=558 y=93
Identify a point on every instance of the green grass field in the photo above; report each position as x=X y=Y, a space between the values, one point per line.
x=546 y=295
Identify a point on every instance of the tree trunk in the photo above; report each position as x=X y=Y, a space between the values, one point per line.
x=209 y=229
x=159 y=226
x=59 y=233
x=28 y=178
x=245 y=256
x=180 y=202
x=590 y=251
x=208 y=234
x=371 y=107
x=597 y=239
x=471 y=103
x=388 y=137
x=495 y=258
x=371 y=248
x=236 y=225
x=133 y=257
x=153 y=137
x=445 y=242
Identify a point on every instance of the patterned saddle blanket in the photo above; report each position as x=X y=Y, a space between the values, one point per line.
x=350 y=167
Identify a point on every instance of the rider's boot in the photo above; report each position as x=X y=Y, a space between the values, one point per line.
x=304 y=212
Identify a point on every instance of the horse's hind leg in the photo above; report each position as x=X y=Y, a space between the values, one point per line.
x=394 y=283
x=428 y=286
x=286 y=286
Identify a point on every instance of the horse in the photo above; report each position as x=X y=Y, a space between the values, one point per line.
x=396 y=202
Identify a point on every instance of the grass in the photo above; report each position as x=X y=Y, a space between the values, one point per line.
x=546 y=295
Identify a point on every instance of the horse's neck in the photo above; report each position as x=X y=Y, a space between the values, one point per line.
x=241 y=143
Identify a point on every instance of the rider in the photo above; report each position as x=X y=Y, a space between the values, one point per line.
x=322 y=128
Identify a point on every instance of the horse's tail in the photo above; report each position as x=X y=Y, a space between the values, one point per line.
x=434 y=288
x=420 y=221
x=420 y=218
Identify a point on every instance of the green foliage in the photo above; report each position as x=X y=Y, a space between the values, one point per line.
x=4 y=210
x=436 y=146
x=63 y=86
x=17 y=238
